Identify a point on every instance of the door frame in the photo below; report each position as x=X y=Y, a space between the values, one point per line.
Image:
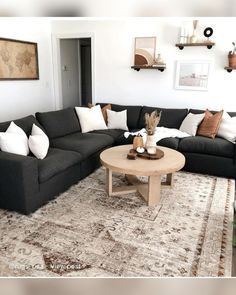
x=56 y=57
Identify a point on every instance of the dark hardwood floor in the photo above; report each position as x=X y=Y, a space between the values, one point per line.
x=234 y=253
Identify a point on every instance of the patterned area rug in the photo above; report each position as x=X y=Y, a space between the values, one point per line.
x=85 y=233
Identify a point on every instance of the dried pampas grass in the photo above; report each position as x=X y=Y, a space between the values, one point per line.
x=151 y=122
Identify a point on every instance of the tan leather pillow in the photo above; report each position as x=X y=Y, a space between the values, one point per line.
x=210 y=124
x=104 y=110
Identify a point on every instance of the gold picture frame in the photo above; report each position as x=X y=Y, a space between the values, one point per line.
x=18 y=60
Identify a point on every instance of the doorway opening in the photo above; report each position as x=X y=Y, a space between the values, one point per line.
x=75 y=71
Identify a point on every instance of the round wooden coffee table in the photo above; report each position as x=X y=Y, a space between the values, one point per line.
x=115 y=160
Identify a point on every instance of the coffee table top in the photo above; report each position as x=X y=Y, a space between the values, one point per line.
x=115 y=158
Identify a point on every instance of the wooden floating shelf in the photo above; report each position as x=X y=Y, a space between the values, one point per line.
x=159 y=68
x=181 y=46
x=229 y=69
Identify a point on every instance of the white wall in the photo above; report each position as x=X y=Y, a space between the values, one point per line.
x=116 y=82
x=20 y=98
x=70 y=76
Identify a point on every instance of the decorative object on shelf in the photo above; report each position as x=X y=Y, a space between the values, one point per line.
x=151 y=122
x=183 y=38
x=186 y=32
x=19 y=60
x=192 y=75
x=144 y=53
x=159 y=60
x=138 y=142
x=232 y=57
x=208 y=32
x=193 y=38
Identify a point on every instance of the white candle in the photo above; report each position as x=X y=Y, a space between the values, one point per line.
x=151 y=150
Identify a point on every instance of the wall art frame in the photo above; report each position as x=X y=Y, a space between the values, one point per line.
x=18 y=60
x=144 y=51
x=193 y=75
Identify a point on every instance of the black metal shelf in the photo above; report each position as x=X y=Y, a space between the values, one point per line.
x=160 y=68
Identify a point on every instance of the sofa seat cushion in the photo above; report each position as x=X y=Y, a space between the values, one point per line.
x=84 y=143
x=203 y=145
x=170 y=142
x=55 y=162
x=114 y=133
x=118 y=136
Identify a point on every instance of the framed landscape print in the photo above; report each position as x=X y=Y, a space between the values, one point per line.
x=192 y=75
x=18 y=60
x=144 y=52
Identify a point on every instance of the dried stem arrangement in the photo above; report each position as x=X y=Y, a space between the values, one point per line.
x=151 y=122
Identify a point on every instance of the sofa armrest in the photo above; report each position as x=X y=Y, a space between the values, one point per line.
x=18 y=182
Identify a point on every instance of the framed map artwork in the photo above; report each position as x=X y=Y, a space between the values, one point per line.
x=18 y=60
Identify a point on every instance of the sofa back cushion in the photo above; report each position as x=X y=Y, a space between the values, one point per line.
x=232 y=114
x=170 y=118
x=59 y=123
x=133 y=113
x=197 y=111
x=25 y=123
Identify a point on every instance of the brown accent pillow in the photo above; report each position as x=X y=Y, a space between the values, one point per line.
x=104 y=110
x=210 y=124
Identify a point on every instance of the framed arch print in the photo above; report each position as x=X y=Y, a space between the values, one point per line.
x=144 y=51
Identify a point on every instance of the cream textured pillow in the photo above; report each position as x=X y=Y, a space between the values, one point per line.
x=91 y=118
x=191 y=122
x=227 y=129
x=117 y=120
x=14 y=140
x=38 y=142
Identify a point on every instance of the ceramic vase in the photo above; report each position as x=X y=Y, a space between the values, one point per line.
x=232 y=60
x=159 y=60
x=151 y=142
x=193 y=38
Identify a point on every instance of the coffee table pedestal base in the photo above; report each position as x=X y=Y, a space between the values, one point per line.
x=149 y=191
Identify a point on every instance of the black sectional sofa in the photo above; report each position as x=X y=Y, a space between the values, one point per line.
x=27 y=183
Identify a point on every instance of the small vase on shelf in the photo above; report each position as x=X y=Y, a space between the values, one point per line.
x=159 y=60
x=193 y=38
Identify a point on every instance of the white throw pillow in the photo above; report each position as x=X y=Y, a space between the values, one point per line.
x=117 y=120
x=12 y=143
x=91 y=118
x=227 y=129
x=14 y=140
x=38 y=142
x=191 y=122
